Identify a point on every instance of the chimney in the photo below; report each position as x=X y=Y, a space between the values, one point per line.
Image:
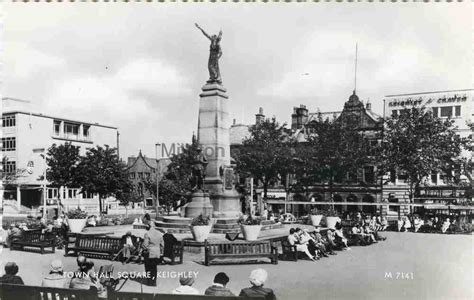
x=260 y=117
x=368 y=105
x=233 y=122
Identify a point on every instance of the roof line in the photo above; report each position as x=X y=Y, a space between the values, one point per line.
x=435 y=92
x=57 y=118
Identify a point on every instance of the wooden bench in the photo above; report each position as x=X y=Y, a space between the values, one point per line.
x=96 y=245
x=25 y=292
x=225 y=250
x=35 y=239
x=177 y=253
x=289 y=251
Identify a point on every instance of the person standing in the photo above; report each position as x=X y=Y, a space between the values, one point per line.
x=153 y=245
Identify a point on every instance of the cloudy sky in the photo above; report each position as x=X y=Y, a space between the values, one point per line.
x=140 y=67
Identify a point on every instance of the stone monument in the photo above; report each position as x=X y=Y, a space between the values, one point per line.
x=213 y=139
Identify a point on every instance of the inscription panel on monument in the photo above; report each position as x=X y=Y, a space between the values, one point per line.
x=228 y=178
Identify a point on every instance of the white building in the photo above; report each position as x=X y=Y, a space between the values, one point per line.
x=455 y=104
x=27 y=135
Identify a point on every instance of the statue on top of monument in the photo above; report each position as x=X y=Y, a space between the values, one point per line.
x=199 y=170
x=215 y=53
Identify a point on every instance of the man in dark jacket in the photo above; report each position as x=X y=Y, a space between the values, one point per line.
x=257 y=279
x=218 y=288
x=10 y=277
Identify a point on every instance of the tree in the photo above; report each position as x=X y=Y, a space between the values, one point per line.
x=417 y=144
x=62 y=164
x=336 y=148
x=100 y=171
x=267 y=154
x=176 y=182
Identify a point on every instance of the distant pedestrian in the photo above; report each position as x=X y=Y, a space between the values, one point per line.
x=257 y=279
x=10 y=277
x=185 y=287
x=219 y=288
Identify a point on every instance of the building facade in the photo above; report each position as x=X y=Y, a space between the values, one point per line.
x=142 y=169
x=457 y=105
x=27 y=135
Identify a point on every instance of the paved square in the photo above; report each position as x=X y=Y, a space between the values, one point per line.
x=441 y=266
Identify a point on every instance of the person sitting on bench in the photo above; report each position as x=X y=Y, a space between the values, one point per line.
x=323 y=246
x=359 y=236
x=129 y=243
x=169 y=241
x=340 y=238
x=10 y=277
x=293 y=239
x=257 y=279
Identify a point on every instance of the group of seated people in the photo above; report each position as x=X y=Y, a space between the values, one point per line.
x=377 y=222
x=429 y=224
x=316 y=246
x=85 y=278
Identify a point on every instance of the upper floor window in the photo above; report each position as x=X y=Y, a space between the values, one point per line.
x=457 y=111
x=9 y=166
x=446 y=111
x=147 y=175
x=85 y=131
x=394 y=113
x=8 y=121
x=71 y=130
x=435 y=112
x=132 y=175
x=9 y=144
x=57 y=127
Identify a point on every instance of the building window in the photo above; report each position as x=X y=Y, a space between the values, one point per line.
x=9 y=144
x=71 y=131
x=147 y=175
x=57 y=126
x=369 y=174
x=446 y=111
x=8 y=121
x=10 y=167
x=132 y=175
x=434 y=178
x=457 y=111
x=85 y=131
x=394 y=113
x=435 y=112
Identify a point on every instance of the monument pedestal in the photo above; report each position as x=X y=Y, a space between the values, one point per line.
x=200 y=204
x=213 y=137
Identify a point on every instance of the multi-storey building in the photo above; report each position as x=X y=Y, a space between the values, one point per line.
x=457 y=105
x=27 y=135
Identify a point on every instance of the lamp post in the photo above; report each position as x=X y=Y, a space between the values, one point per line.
x=157 y=203
x=42 y=154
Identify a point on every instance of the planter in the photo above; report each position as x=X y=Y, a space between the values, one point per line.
x=316 y=219
x=201 y=232
x=76 y=225
x=251 y=232
x=331 y=222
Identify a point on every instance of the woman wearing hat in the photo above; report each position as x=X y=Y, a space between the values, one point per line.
x=55 y=278
x=257 y=279
x=186 y=286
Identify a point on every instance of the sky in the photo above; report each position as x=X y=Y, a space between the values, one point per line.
x=140 y=66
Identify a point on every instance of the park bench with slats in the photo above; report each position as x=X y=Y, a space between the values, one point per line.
x=25 y=292
x=226 y=250
x=96 y=245
x=34 y=239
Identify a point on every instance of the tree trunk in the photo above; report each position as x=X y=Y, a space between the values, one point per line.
x=100 y=204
